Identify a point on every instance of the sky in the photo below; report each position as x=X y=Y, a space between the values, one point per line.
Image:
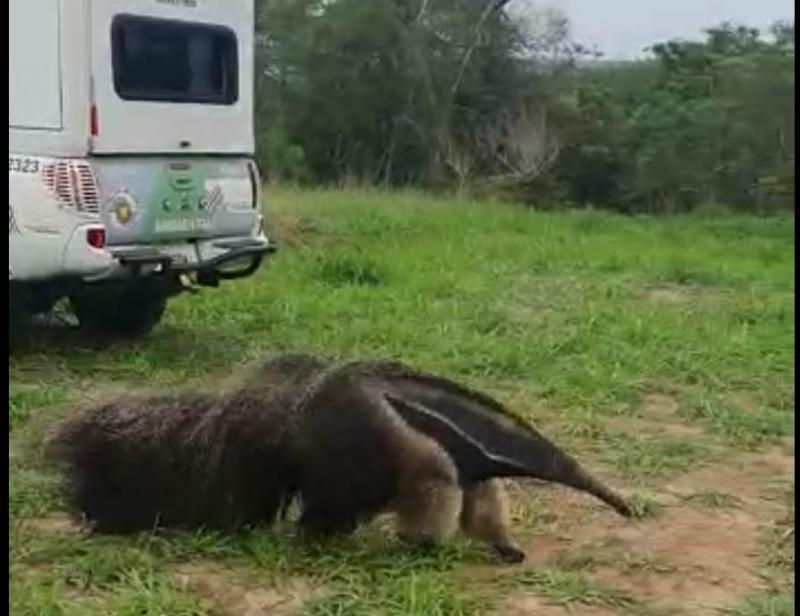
x=622 y=28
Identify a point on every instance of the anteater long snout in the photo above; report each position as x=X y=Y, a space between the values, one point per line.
x=569 y=472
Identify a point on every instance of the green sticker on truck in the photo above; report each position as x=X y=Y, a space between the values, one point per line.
x=179 y=205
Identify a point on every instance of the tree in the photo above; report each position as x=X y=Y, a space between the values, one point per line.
x=396 y=91
x=470 y=95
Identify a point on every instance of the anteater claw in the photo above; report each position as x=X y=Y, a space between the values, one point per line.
x=510 y=554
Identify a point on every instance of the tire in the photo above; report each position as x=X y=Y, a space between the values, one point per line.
x=128 y=310
x=23 y=302
x=18 y=318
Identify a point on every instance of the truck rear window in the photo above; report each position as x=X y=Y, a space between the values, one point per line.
x=174 y=61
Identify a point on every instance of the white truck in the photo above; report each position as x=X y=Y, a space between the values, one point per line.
x=131 y=171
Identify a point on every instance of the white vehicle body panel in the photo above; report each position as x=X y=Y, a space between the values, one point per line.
x=36 y=102
x=130 y=126
x=45 y=239
x=48 y=77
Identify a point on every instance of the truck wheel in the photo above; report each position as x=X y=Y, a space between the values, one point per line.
x=17 y=318
x=133 y=309
x=24 y=300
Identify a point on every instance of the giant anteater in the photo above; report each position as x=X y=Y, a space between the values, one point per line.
x=347 y=441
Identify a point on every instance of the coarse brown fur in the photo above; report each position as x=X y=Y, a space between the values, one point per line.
x=485 y=516
x=347 y=440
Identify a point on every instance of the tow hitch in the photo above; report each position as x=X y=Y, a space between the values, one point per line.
x=187 y=284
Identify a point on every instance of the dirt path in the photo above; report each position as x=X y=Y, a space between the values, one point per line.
x=705 y=549
x=226 y=592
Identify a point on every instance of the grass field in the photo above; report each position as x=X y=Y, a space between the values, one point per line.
x=659 y=351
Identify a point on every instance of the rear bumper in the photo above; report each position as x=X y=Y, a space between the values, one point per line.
x=210 y=260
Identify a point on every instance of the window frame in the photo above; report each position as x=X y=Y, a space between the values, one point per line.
x=229 y=94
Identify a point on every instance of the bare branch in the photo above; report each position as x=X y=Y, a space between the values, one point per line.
x=487 y=11
x=520 y=145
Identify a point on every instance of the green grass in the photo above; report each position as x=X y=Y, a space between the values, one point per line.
x=570 y=588
x=764 y=604
x=23 y=401
x=136 y=594
x=644 y=507
x=712 y=499
x=569 y=317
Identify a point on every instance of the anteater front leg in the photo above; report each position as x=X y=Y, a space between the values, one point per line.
x=428 y=498
x=486 y=517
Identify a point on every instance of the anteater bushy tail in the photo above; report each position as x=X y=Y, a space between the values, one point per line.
x=174 y=461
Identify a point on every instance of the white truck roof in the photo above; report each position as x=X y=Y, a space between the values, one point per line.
x=131 y=77
x=36 y=80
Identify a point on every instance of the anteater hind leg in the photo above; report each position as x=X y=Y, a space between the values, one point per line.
x=486 y=517
x=428 y=499
x=319 y=526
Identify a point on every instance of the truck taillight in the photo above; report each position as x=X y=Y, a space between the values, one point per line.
x=94 y=121
x=255 y=182
x=96 y=238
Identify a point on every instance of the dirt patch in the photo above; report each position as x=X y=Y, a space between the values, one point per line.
x=745 y=401
x=678 y=295
x=669 y=294
x=709 y=557
x=230 y=593
x=745 y=478
x=659 y=406
x=54 y=523
x=699 y=555
x=531 y=605
x=777 y=463
x=656 y=413
x=295 y=230
x=662 y=410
